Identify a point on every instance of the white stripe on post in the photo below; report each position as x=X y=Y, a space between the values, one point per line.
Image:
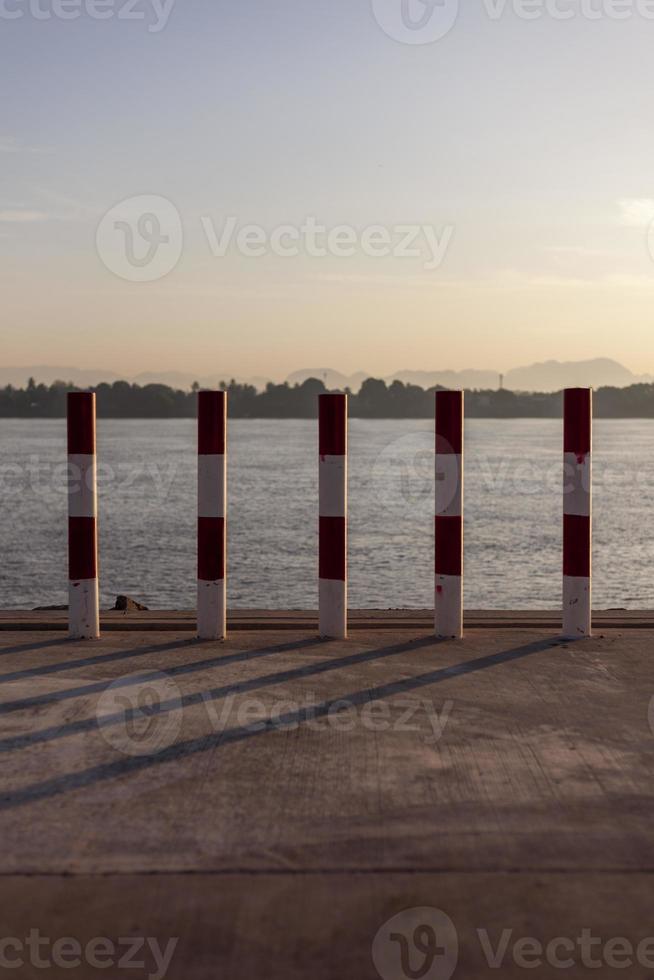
x=212 y=513
x=83 y=591
x=448 y=524
x=332 y=545
x=577 y=512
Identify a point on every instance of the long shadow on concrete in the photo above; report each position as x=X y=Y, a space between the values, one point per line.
x=44 y=670
x=189 y=700
x=222 y=660
x=51 y=788
x=29 y=647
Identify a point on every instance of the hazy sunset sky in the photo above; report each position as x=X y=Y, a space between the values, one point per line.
x=531 y=140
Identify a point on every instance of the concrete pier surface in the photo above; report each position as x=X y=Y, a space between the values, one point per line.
x=284 y=807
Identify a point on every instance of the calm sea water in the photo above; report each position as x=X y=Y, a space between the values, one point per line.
x=147 y=513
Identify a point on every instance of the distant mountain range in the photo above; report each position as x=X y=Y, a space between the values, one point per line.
x=544 y=376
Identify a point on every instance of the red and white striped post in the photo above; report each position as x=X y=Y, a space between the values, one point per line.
x=212 y=502
x=448 y=531
x=83 y=592
x=333 y=516
x=577 y=511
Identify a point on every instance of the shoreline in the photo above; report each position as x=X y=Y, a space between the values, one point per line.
x=254 y=620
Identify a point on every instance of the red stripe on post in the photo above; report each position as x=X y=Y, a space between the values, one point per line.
x=332 y=425
x=576 y=545
x=82 y=550
x=211 y=548
x=81 y=422
x=577 y=420
x=332 y=549
x=448 y=558
x=449 y=422
x=211 y=423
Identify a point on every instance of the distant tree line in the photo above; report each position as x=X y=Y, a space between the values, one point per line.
x=375 y=399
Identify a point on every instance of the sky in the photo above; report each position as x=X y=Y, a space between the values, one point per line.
x=257 y=187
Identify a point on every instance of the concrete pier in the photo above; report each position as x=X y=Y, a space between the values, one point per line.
x=273 y=800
